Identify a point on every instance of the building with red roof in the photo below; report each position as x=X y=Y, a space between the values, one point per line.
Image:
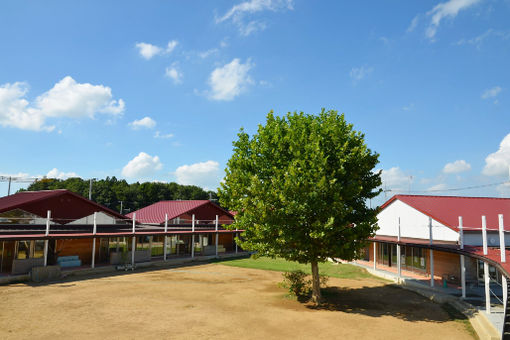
x=55 y=226
x=439 y=236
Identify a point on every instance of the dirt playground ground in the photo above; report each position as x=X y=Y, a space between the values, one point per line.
x=219 y=302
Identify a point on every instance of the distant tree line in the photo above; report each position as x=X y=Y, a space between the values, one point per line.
x=110 y=191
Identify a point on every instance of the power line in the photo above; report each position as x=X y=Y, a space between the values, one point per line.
x=450 y=189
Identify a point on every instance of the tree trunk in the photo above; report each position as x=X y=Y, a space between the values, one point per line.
x=316 y=285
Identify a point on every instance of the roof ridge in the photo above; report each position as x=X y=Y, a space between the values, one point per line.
x=448 y=196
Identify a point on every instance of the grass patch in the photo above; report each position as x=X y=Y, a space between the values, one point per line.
x=457 y=316
x=342 y=271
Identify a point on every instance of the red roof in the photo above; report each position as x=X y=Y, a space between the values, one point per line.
x=447 y=209
x=64 y=204
x=155 y=213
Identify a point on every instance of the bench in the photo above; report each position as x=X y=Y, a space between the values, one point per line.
x=69 y=261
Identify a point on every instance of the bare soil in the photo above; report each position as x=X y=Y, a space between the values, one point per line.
x=216 y=301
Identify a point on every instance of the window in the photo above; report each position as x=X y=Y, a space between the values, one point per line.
x=29 y=249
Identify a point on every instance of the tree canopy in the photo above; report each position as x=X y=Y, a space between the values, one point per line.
x=111 y=191
x=300 y=187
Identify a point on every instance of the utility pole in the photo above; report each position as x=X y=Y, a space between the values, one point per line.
x=121 y=207
x=9 y=189
x=90 y=189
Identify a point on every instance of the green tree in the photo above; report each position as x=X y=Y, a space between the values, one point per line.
x=300 y=187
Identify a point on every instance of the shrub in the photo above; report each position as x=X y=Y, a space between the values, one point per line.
x=295 y=281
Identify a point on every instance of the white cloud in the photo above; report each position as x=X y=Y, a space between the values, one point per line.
x=491 y=93
x=71 y=99
x=173 y=73
x=55 y=173
x=438 y=187
x=358 y=73
x=413 y=24
x=148 y=51
x=18 y=175
x=395 y=179
x=158 y=134
x=67 y=98
x=230 y=80
x=145 y=122
x=208 y=53
x=203 y=174
x=448 y=9
x=239 y=12
x=142 y=166
x=478 y=40
x=498 y=163
x=457 y=167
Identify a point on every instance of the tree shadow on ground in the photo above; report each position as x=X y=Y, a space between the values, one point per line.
x=387 y=300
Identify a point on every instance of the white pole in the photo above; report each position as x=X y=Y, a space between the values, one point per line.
x=48 y=219
x=487 y=287
x=461 y=233
x=193 y=236
x=375 y=255
x=133 y=243
x=505 y=292
x=134 y=222
x=501 y=239
x=94 y=231
x=484 y=234
x=399 y=264
x=164 y=244
x=463 y=276
x=431 y=254
x=216 y=228
x=431 y=268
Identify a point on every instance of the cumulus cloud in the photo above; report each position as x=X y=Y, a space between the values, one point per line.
x=395 y=179
x=203 y=174
x=230 y=80
x=145 y=122
x=240 y=14
x=358 y=73
x=457 y=167
x=148 y=51
x=491 y=93
x=55 y=173
x=67 y=99
x=142 y=166
x=498 y=163
x=173 y=73
x=448 y=9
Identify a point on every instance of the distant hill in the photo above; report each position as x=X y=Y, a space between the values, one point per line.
x=111 y=191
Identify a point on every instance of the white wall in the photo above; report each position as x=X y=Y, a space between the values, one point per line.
x=101 y=218
x=413 y=223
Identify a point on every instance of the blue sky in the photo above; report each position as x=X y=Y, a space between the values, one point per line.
x=157 y=90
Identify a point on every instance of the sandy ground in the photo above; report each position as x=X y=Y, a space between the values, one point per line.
x=215 y=301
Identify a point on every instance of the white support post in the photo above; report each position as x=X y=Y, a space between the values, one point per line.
x=375 y=255
x=193 y=236
x=399 y=264
x=48 y=220
x=501 y=239
x=431 y=254
x=150 y=246
x=484 y=234
x=165 y=241
x=216 y=229
x=133 y=243
x=463 y=275
x=94 y=231
x=505 y=292
x=461 y=233
x=462 y=259
x=487 y=287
